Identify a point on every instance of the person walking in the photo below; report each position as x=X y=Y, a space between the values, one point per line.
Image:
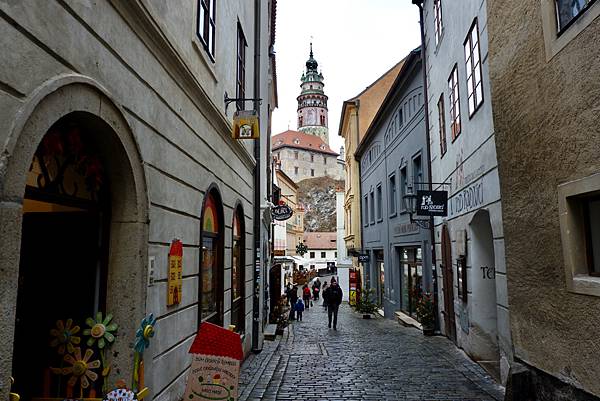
x=306 y=295
x=299 y=306
x=323 y=292
x=293 y=297
x=316 y=289
x=333 y=296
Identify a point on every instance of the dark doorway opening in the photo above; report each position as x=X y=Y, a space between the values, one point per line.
x=63 y=266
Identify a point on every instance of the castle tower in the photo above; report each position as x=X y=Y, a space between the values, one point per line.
x=312 y=102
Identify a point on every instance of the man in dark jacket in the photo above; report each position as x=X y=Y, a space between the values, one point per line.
x=333 y=297
x=293 y=297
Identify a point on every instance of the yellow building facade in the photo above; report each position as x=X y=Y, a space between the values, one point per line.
x=357 y=115
x=294 y=227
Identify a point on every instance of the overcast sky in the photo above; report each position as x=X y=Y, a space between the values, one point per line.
x=354 y=42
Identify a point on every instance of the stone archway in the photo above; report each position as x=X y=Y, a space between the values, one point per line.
x=483 y=308
x=128 y=226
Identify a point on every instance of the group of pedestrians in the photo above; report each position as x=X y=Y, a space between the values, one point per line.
x=332 y=298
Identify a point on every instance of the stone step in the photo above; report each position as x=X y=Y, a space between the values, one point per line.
x=407 y=321
x=270 y=332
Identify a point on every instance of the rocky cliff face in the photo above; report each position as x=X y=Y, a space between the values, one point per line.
x=317 y=195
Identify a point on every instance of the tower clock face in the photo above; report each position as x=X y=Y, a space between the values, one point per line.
x=311 y=117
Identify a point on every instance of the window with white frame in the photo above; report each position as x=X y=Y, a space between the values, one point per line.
x=454 y=100
x=473 y=67
x=206 y=25
x=437 y=20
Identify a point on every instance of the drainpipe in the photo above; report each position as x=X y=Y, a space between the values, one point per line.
x=419 y=3
x=257 y=201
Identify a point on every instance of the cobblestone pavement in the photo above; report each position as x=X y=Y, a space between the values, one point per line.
x=373 y=359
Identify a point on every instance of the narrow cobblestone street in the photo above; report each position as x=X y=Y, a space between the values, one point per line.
x=373 y=359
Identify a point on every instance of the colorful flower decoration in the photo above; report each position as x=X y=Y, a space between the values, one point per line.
x=100 y=330
x=144 y=333
x=64 y=336
x=80 y=368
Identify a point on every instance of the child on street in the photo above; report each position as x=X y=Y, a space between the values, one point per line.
x=299 y=307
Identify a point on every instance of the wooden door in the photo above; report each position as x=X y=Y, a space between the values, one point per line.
x=448 y=285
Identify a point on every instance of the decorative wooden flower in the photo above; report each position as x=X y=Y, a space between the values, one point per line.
x=100 y=330
x=144 y=333
x=63 y=336
x=80 y=368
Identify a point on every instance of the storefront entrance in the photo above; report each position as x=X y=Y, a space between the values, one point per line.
x=380 y=271
x=411 y=268
x=73 y=241
x=62 y=272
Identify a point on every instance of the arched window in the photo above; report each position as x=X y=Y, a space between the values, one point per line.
x=237 y=271
x=211 y=266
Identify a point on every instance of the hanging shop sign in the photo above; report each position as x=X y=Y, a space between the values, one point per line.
x=363 y=258
x=216 y=356
x=432 y=203
x=245 y=125
x=281 y=212
x=175 y=273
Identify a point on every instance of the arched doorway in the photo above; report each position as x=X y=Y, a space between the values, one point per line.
x=73 y=237
x=238 y=266
x=66 y=214
x=483 y=312
x=211 y=268
x=448 y=290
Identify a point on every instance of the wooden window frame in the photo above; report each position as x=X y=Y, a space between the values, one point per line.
x=205 y=28
x=473 y=67
x=454 y=99
x=442 y=125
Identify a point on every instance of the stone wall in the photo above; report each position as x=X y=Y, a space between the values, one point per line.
x=546 y=118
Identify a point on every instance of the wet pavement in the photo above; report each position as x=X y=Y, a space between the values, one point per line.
x=375 y=359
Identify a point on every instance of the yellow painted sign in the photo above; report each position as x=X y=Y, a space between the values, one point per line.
x=175 y=273
x=245 y=125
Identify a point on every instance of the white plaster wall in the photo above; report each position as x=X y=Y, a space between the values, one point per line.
x=180 y=127
x=469 y=161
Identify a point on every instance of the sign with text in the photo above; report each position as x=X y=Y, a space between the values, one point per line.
x=281 y=212
x=215 y=370
x=432 y=203
x=363 y=258
x=245 y=125
x=175 y=273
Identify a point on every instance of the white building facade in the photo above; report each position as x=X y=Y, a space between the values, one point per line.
x=469 y=242
x=115 y=141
